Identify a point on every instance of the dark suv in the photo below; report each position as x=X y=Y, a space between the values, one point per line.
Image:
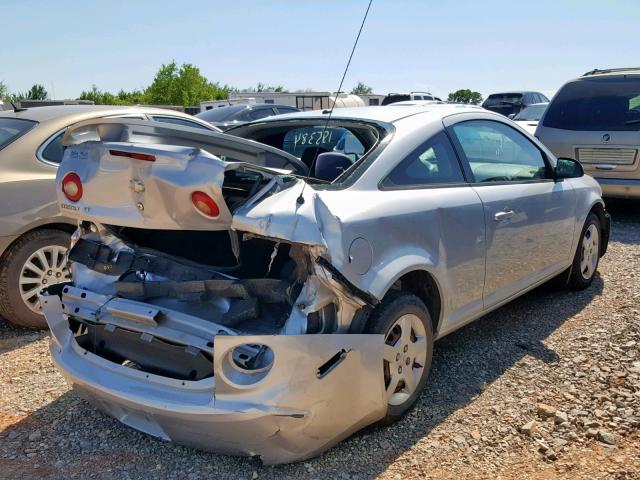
x=512 y=103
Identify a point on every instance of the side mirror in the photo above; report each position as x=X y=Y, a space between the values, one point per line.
x=512 y=116
x=568 y=168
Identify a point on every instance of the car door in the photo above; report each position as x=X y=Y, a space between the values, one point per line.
x=443 y=215
x=529 y=217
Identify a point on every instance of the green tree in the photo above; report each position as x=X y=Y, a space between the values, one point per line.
x=123 y=97
x=361 y=89
x=36 y=92
x=4 y=91
x=184 y=86
x=263 y=87
x=465 y=95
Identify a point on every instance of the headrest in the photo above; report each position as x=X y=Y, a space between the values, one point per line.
x=330 y=165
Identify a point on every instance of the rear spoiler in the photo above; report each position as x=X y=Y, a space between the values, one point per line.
x=142 y=132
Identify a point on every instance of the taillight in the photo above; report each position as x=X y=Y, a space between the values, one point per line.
x=135 y=155
x=72 y=186
x=205 y=204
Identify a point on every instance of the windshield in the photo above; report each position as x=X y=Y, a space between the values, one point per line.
x=596 y=104
x=221 y=114
x=498 y=98
x=531 y=113
x=12 y=128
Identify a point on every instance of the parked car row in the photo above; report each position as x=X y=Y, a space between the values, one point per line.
x=594 y=119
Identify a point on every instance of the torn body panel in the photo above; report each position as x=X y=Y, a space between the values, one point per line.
x=313 y=391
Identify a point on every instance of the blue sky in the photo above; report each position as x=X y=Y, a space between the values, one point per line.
x=434 y=45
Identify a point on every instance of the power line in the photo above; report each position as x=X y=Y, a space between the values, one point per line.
x=344 y=74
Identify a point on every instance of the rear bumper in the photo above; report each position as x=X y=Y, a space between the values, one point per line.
x=289 y=414
x=619 y=187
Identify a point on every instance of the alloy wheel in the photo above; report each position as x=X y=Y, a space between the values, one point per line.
x=590 y=252
x=46 y=266
x=405 y=356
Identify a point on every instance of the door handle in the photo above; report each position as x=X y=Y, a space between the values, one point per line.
x=502 y=216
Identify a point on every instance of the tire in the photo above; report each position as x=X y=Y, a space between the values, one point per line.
x=398 y=315
x=587 y=256
x=51 y=245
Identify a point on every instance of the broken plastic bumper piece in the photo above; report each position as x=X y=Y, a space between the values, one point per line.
x=309 y=393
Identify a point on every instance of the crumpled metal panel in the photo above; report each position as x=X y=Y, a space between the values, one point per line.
x=318 y=390
x=326 y=408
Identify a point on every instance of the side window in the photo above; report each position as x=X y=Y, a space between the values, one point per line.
x=54 y=150
x=498 y=153
x=260 y=113
x=433 y=162
x=179 y=121
x=286 y=109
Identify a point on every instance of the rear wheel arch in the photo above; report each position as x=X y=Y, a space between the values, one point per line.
x=598 y=209
x=61 y=226
x=423 y=285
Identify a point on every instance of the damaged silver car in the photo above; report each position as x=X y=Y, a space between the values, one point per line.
x=271 y=291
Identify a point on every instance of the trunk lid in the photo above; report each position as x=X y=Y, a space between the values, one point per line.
x=137 y=181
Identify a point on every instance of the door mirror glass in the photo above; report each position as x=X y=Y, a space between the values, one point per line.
x=568 y=168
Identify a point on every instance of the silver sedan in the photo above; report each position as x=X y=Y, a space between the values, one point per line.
x=34 y=235
x=272 y=290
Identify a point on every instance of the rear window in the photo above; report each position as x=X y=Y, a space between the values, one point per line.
x=532 y=113
x=222 y=114
x=498 y=98
x=308 y=142
x=395 y=98
x=595 y=104
x=11 y=129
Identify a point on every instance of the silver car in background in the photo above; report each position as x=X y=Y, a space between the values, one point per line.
x=242 y=295
x=34 y=234
x=530 y=116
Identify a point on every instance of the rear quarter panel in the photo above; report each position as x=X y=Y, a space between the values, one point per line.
x=27 y=187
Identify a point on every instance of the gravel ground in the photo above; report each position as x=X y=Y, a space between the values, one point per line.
x=546 y=387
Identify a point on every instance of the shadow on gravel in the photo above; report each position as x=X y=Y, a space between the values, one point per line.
x=465 y=362
x=12 y=336
x=625 y=214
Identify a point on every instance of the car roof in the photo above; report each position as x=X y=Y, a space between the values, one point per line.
x=250 y=106
x=612 y=72
x=57 y=112
x=509 y=92
x=418 y=102
x=387 y=114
